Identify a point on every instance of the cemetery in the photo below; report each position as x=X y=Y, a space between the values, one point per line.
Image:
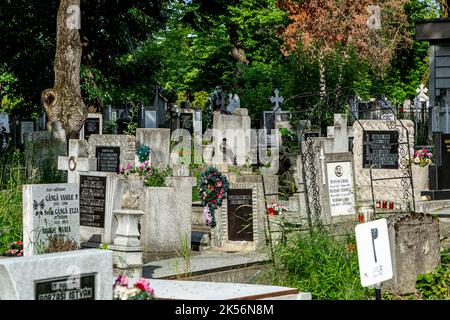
x=153 y=170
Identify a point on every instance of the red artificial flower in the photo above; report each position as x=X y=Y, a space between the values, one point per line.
x=19 y=243
x=271 y=212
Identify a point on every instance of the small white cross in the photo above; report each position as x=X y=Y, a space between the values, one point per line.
x=277 y=100
x=422 y=90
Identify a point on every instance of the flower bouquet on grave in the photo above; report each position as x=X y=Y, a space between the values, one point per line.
x=143 y=153
x=141 y=290
x=276 y=209
x=422 y=158
x=152 y=176
x=15 y=249
x=213 y=189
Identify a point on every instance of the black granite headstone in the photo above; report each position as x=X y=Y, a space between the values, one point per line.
x=380 y=149
x=91 y=126
x=187 y=121
x=92 y=201
x=66 y=288
x=445 y=157
x=108 y=159
x=240 y=214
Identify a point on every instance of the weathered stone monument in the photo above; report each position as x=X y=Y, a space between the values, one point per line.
x=415 y=249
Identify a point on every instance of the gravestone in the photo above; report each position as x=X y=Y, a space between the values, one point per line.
x=188 y=136
x=126 y=144
x=384 y=145
x=415 y=249
x=381 y=149
x=100 y=194
x=75 y=275
x=240 y=214
x=41 y=156
x=341 y=186
x=167 y=223
x=108 y=159
x=231 y=138
x=92 y=125
x=439 y=172
x=187 y=121
x=159 y=142
x=49 y=210
x=241 y=219
x=25 y=128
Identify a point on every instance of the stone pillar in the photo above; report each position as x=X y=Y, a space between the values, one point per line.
x=415 y=249
x=127 y=251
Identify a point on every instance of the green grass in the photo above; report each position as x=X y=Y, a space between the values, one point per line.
x=322 y=265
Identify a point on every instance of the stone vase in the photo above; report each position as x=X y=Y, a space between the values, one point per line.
x=127 y=233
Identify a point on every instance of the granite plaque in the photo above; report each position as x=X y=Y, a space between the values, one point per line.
x=187 y=122
x=91 y=126
x=108 y=159
x=381 y=149
x=92 y=201
x=66 y=288
x=240 y=214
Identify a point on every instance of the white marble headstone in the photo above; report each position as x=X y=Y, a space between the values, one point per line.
x=75 y=275
x=49 y=210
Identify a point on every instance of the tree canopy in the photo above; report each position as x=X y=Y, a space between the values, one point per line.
x=249 y=47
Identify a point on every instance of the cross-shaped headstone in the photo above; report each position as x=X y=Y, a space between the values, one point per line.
x=277 y=100
x=77 y=161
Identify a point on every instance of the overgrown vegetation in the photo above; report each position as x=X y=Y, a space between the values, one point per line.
x=320 y=264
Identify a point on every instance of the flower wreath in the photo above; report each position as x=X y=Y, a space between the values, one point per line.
x=213 y=189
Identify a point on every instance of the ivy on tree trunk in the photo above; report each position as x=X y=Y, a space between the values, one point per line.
x=63 y=103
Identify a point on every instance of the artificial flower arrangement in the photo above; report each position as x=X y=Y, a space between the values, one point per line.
x=213 y=189
x=275 y=209
x=15 y=249
x=141 y=290
x=143 y=153
x=422 y=158
x=153 y=177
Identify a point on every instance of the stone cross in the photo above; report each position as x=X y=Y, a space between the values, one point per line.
x=77 y=161
x=277 y=100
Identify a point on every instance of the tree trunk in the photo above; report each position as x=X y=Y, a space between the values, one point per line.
x=445 y=8
x=237 y=50
x=63 y=103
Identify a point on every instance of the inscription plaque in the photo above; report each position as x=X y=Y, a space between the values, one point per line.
x=240 y=214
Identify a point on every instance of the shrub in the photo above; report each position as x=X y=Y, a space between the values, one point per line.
x=322 y=265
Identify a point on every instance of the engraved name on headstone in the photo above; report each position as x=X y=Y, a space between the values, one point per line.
x=381 y=149
x=108 y=159
x=92 y=201
x=49 y=210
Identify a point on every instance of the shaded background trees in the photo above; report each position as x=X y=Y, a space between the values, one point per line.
x=248 y=47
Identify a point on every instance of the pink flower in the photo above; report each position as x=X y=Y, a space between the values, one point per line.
x=146 y=162
x=130 y=166
x=122 y=281
x=144 y=285
x=219 y=184
x=121 y=168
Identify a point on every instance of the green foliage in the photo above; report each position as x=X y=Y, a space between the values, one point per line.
x=158 y=177
x=320 y=264
x=200 y=99
x=434 y=285
x=11 y=199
